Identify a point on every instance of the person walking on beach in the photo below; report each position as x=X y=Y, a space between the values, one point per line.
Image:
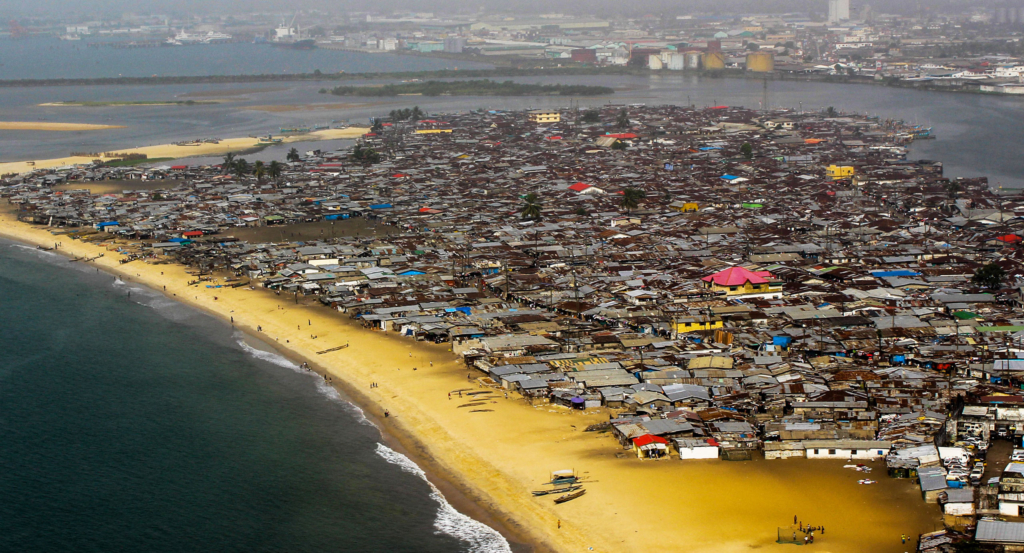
x=903 y=538
x=259 y=328
x=386 y=413
x=794 y=519
x=559 y=524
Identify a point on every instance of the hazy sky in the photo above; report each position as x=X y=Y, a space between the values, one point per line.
x=108 y=8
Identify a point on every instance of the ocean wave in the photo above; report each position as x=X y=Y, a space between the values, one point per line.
x=480 y=537
x=34 y=249
x=321 y=386
x=270 y=357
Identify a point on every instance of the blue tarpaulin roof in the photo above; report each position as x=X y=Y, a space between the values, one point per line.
x=900 y=273
x=380 y=206
x=728 y=177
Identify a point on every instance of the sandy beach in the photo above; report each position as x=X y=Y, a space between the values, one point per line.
x=44 y=126
x=174 y=151
x=498 y=451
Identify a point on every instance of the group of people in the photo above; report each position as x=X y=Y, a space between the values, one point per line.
x=807 y=530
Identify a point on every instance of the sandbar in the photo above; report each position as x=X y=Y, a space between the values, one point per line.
x=497 y=453
x=44 y=126
x=175 y=151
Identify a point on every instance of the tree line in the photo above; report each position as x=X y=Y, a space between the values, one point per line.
x=480 y=87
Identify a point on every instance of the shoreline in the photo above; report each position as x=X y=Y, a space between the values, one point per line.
x=174 y=151
x=457 y=492
x=497 y=457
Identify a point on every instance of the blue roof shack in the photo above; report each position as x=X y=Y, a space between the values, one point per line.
x=380 y=206
x=101 y=226
x=899 y=273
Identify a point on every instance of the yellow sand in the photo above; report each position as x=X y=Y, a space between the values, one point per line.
x=497 y=457
x=175 y=151
x=43 y=126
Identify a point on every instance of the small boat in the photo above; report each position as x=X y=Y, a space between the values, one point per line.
x=865 y=481
x=570 y=496
x=556 y=490
x=562 y=477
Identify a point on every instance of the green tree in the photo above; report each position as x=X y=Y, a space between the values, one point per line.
x=229 y=163
x=831 y=112
x=953 y=189
x=747 y=150
x=293 y=155
x=582 y=212
x=619 y=145
x=259 y=170
x=591 y=116
x=531 y=207
x=622 y=120
x=631 y=198
x=240 y=167
x=990 y=276
x=274 y=170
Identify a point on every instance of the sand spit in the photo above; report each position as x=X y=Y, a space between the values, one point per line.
x=44 y=126
x=175 y=151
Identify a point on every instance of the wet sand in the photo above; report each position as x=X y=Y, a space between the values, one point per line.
x=44 y=126
x=174 y=151
x=497 y=452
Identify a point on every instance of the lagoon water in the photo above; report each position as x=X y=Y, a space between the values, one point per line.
x=138 y=424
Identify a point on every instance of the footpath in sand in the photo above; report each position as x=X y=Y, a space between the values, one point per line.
x=175 y=151
x=497 y=450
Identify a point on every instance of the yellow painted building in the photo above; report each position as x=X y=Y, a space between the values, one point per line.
x=541 y=116
x=839 y=171
x=432 y=131
x=690 y=324
x=685 y=207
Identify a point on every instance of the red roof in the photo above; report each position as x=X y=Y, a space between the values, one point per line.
x=1011 y=238
x=579 y=187
x=193 y=233
x=641 y=441
x=738 y=276
x=179 y=167
x=719 y=107
x=622 y=135
x=554 y=138
x=399 y=175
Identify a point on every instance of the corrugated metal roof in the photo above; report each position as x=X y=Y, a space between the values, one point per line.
x=997 y=531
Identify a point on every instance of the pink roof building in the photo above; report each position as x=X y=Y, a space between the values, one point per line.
x=738 y=276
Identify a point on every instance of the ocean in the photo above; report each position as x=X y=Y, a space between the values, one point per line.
x=131 y=422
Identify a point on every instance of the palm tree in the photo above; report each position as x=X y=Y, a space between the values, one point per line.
x=259 y=170
x=229 y=162
x=622 y=121
x=631 y=198
x=274 y=170
x=293 y=155
x=531 y=207
x=240 y=168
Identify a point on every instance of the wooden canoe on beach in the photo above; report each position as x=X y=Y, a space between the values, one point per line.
x=570 y=496
x=557 y=490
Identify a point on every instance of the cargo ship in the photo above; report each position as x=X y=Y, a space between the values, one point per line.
x=301 y=44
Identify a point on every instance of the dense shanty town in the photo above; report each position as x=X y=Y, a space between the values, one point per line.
x=724 y=283
x=973 y=46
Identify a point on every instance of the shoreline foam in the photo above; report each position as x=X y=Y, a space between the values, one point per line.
x=495 y=458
